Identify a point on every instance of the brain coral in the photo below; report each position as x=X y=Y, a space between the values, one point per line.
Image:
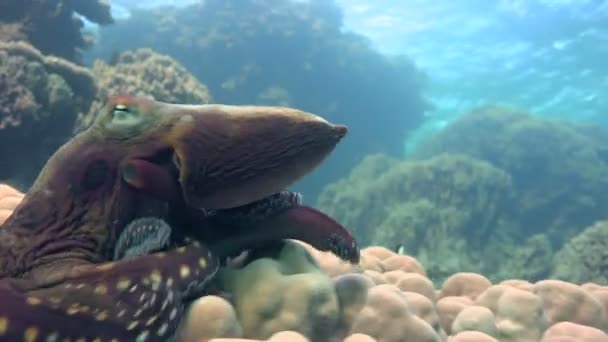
x=559 y=170
x=146 y=73
x=40 y=96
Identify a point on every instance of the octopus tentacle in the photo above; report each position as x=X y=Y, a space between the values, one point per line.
x=300 y=223
x=139 y=299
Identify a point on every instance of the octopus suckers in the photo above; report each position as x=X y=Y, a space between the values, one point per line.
x=31 y=334
x=151 y=321
x=184 y=271
x=33 y=300
x=163 y=329
x=173 y=314
x=3 y=325
x=143 y=336
x=54 y=336
x=132 y=325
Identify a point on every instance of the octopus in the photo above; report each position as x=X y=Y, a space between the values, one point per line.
x=132 y=218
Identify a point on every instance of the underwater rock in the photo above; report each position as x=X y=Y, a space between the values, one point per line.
x=143 y=72
x=448 y=211
x=559 y=170
x=40 y=96
x=52 y=26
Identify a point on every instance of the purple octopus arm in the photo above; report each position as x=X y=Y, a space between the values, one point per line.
x=140 y=299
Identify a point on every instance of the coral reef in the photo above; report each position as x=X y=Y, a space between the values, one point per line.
x=144 y=72
x=585 y=257
x=287 y=53
x=496 y=192
x=52 y=26
x=559 y=170
x=40 y=96
x=448 y=211
x=302 y=294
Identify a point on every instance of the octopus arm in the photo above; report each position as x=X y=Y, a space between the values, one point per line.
x=139 y=299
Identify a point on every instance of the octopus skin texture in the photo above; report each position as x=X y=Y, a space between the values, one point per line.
x=76 y=262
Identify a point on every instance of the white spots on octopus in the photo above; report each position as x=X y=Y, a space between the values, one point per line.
x=146 y=302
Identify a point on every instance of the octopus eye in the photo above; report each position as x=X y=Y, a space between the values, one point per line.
x=123 y=115
x=96 y=175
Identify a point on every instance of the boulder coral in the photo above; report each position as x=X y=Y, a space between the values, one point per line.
x=144 y=72
x=40 y=96
x=301 y=294
x=479 y=311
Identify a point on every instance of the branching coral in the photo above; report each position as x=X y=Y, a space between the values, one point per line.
x=50 y=25
x=40 y=96
x=144 y=72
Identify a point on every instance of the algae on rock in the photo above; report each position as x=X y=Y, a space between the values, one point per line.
x=585 y=257
x=559 y=170
x=448 y=210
